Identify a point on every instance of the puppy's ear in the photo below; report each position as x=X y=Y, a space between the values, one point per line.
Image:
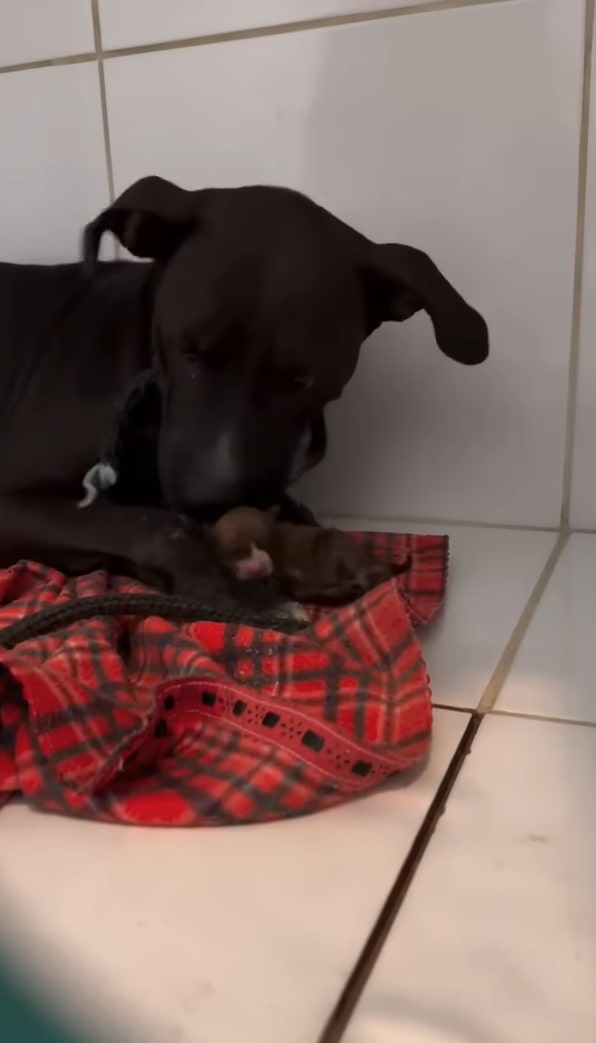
x=150 y=219
x=401 y=280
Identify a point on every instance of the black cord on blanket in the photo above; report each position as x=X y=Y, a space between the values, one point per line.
x=167 y=606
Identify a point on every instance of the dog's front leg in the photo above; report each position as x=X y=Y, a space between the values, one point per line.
x=158 y=547
x=147 y=543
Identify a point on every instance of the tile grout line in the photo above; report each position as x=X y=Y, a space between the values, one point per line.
x=447 y=522
x=304 y=25
x=103 y=98
x=350 y=995
x=282 y=29
x=501 y=671
x=517 y=715
x=574 y=345
x=354 y=987
x=49 y=63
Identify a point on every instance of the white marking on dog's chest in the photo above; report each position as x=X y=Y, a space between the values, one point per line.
x=100 y=477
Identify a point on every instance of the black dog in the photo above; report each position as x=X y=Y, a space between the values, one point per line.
x=208 y=368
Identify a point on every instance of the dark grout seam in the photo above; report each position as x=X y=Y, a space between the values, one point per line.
x=281 y=29
x=49 y=63
x=454 y=709
x=518 y=715
x=103 y=99
x=356 y=982
x=576 y=316
x=501 y=671
x=354 y=987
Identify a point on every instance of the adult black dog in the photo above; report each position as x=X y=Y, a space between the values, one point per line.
x=247 y=321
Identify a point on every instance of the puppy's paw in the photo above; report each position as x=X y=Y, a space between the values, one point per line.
x=295 y=611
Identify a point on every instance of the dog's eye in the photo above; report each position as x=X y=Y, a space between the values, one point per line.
x=302 y=381
x=287 y=381
x=191 y=350
x=208 y=357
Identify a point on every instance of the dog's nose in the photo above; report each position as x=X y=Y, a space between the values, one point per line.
x=203 y=498
x=203 y=493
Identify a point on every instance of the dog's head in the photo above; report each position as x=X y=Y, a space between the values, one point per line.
x=261 y=303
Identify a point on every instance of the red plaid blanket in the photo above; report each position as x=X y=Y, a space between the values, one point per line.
x=149 y=722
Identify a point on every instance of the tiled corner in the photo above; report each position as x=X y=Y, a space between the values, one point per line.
x=215 y=934
x=496 y=940
x=52 y=168
x=583 y=490
x=127 y=23
x=33 y=30
x=481 y=172
x=492 y=573
x=553 y=672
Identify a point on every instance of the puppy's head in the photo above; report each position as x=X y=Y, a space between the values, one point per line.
x=242 y=538
x=260 y=304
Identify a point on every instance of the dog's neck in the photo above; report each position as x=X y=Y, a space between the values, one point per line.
x=122 y=293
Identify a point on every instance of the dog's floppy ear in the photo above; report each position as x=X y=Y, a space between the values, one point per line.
x=150 y=219
x=401 y=280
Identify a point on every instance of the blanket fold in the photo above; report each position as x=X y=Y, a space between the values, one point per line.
x=149 y=722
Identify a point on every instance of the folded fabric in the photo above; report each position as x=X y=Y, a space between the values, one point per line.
x=155 y=723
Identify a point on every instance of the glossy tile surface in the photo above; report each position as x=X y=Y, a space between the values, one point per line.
x=583 y=491
x=492 y=573
x=216 y=934
x=52 y=166
x=553 y=673
x=478 y=454
x=414 y=433
x=496 y=941
x=31 y=30
x=126 y=23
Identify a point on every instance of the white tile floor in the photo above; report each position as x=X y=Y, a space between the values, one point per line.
x=251 y=933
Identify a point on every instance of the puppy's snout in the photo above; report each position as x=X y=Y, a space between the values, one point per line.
x=256 y=564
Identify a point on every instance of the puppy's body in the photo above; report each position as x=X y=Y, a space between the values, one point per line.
x=187 y=552
x=307 y=562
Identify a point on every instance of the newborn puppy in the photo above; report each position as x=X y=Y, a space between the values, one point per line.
x=242 y=539
x=308 y=562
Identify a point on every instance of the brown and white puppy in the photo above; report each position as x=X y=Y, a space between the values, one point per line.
x=309 y=563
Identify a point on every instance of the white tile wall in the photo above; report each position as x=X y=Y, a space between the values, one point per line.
x=52 y=167
x=210 y=934
x=456 y=131
x=126 y=23
x=496 y=941
x=583 y=491
x=31 y=30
